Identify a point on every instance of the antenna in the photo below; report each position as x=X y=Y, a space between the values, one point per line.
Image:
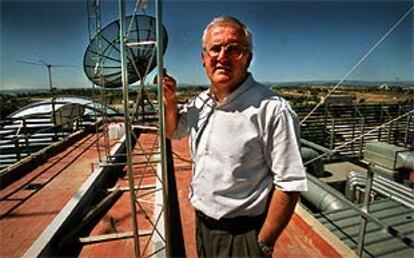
x=49 y=71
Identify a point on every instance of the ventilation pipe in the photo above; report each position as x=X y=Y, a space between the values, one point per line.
x=317 y=194
x=320 y=198
x=316 y=167
x=395 y=191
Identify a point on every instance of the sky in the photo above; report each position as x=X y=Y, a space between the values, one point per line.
x=293 y=41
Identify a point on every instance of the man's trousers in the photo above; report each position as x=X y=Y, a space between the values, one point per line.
x=235 y=237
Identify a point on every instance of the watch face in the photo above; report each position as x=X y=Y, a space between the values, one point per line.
x=265 y=249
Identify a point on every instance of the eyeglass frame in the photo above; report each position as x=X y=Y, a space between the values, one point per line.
x=243 y=49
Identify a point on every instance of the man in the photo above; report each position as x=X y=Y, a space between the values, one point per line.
x=244 y=141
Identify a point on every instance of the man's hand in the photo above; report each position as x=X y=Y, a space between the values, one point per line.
x=169 y=88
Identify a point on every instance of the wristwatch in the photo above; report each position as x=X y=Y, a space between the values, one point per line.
x=266 y=249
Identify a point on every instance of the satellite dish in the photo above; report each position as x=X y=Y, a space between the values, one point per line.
x=102 y=62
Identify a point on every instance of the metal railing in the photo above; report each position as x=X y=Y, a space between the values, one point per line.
x=21 y=137
x=336 y=124
x=363 y=212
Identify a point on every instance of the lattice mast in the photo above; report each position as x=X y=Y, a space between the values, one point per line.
x=128 y=126
x=120 y=54
x=142 y=97
x=163 y=143
x=94 y=28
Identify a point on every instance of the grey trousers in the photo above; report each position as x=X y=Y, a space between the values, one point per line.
x=217 y=240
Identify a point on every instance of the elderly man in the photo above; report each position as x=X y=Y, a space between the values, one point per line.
x=244 y=141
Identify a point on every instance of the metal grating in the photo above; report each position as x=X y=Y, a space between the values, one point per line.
x=345 y=224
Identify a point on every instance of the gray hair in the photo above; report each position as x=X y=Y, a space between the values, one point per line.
x=229 y=19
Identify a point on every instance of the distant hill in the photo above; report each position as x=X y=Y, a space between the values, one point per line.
x=353 y=83
x=29 y=90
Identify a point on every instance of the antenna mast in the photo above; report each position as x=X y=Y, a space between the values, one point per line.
x=49 y=72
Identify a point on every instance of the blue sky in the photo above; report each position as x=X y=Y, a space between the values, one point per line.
x=293 y=40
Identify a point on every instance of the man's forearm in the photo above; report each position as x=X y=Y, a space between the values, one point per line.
x=282 y=206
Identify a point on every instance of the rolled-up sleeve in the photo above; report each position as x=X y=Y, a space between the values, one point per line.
x=282 y=152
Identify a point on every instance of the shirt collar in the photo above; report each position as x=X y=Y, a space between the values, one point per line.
x=236 y=93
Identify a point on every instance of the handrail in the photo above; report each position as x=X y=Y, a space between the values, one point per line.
x=356 y=121
x=17 y=135
x=384 y=228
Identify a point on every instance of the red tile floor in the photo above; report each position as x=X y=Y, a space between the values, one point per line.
x=298 y=240
x=26 y=210
x=25 y=213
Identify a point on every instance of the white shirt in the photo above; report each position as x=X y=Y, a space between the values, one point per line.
x=239 y=147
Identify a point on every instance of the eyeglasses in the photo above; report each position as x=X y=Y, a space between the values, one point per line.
x=232 y=50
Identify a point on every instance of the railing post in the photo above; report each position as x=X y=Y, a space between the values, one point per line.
x=389 y=116
x=26 y=138
x=381 y=121
x=353 y=129
x=361 y=141
x=365 y=208
x=332 y=140
x=325 y=123
x=397 y=126
x=407 y=131
x=361 y=117
x=17 y=146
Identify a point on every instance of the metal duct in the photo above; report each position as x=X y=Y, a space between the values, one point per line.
x=381 y=185
x=320 y=198
x=389 y=156
x=316 y=167
x=405 y=160
x=317 y=147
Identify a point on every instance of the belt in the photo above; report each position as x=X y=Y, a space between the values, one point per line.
x=241 y=223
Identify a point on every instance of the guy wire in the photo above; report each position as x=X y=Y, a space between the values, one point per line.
x=359 y=62
x=359 y=137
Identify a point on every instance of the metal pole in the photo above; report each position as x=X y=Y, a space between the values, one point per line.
x=331 y=144
x=407 y=130
x=128 y=127
x=52 y=97
x=49 y=70
x=361 y=141
x=353 y=128
x=381 y=121
x=26 y=137
x=365 y=208
x=163 y=149
x=17 y=146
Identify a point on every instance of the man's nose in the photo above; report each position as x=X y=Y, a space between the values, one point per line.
x=223 y=54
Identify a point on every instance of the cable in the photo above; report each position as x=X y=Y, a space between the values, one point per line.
x=227 y=7
x=358 y=63
x=359 y=137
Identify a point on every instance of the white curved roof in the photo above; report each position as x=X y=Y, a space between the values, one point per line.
x=45 y=107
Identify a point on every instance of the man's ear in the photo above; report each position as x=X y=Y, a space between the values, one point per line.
x=202 y=59
x=249 y=59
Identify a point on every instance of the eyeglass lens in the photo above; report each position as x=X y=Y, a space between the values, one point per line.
x=232 y=50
